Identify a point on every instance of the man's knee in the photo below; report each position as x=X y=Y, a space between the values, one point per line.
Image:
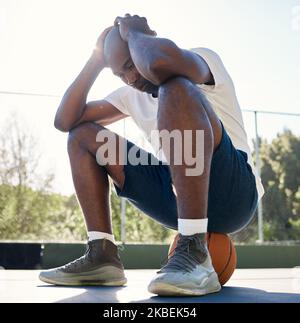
x=175 y=88
x=182 y=104
x=180 y=97
x=83 y=133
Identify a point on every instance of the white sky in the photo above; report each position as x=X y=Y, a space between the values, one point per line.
x=44 y=44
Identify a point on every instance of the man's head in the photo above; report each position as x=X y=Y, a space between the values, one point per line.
x=117 y=57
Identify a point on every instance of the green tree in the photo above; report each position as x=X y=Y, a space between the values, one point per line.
x=280 y=174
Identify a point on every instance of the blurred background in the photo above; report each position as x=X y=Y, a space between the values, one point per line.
x=44 y=45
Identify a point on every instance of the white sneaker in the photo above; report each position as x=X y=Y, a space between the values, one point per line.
x=189 y=271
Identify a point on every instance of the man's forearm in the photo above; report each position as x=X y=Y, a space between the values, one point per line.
x=73 y=102
x=152 y=55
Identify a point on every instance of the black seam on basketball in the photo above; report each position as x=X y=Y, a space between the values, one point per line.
x=208 y=240
x=228 y=260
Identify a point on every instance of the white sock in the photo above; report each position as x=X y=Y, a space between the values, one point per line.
x=96 y=235
x=188 y=227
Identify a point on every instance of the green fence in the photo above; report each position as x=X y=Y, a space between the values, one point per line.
x=14 y=255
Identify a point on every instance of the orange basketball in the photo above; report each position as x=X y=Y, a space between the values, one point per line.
x=222 y=252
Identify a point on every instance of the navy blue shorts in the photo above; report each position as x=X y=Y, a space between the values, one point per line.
x=232 y=199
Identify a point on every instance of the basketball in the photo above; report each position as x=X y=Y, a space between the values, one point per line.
x=222 y=252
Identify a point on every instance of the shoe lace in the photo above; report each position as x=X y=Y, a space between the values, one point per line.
x=185 y=259
x=80 y=261
x=121 y=247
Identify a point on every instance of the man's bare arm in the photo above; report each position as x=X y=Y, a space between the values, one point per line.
x=73 y=104
x=101 y=111
x=163 y=60
x=159 y=59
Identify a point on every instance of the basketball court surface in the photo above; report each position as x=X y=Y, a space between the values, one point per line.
x=245 y=286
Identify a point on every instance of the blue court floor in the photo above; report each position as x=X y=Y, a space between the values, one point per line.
x=246 y=285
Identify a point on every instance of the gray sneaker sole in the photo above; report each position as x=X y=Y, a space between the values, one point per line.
x=166 y=289
x=105 y=276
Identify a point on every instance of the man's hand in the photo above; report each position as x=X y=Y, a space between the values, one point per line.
x=130 y=24
x=99 y=48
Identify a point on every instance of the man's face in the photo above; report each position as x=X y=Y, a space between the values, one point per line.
x=117 y=57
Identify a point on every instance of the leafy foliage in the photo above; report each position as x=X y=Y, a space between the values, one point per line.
x=280 y=173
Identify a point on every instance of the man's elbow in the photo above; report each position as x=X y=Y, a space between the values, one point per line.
x=61 y=126
x=159 y=71
x=161 y=62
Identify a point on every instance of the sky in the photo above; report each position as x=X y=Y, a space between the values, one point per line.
x=44 y=45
